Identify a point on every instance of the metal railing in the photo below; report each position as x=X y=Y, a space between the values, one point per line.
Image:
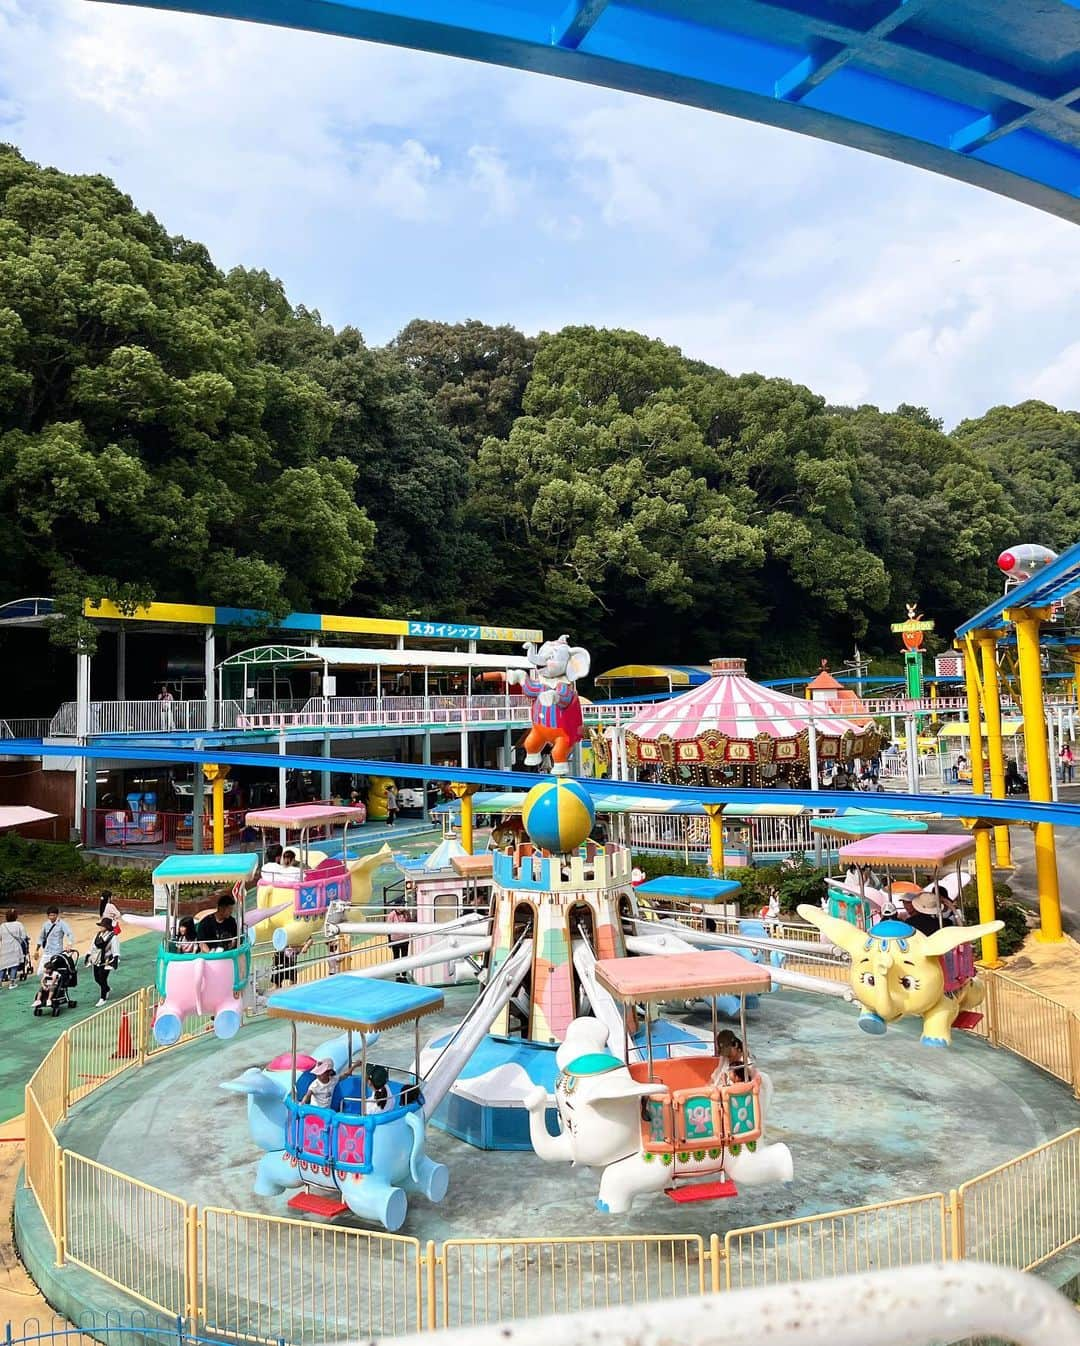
x=1032 y=1025
x=494 y=1280
x=268 y=1279
x=265 y=1279
x=888 y=1234
x=1021 y=1213
x=129 y=1234
x=689 y=835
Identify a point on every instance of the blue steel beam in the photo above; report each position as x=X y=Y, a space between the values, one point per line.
x=985 y=91
x=949 y=806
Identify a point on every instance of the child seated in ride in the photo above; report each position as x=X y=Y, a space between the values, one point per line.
x=320 y=1092
x=731 y=1067
x=186 y=941
x=379 y=1099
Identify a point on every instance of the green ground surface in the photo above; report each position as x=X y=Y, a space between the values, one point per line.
x=27 y=1039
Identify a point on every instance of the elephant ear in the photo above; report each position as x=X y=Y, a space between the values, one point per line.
x=620 y=1084
x=577 y=664
x=844 y=935
x=950 y=937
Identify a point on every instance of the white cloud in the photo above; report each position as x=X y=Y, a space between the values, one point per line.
x=383 y=184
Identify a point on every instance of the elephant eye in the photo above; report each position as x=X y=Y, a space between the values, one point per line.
x=908 y=983
x=868 y=979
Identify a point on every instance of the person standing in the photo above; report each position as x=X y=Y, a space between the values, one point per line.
x=107 y=908
x=1066 y=756
x=103 y=956
x=399 y=939
x=165 y=705
x=14 y=946
x=391 y=804
x=56 y=936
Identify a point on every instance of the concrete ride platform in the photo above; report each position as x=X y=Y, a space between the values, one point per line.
x=866 y=1119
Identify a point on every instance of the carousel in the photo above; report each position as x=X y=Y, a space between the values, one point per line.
x=733 y=732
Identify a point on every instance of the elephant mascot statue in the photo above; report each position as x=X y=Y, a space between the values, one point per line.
x=372 y=1160
x=897 y=970
x=600 y=1113
x=556 y=709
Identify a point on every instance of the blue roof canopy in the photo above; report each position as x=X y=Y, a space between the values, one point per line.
x=208 y=868
x=359 y=1003
x=986 y=91
x=694 y=890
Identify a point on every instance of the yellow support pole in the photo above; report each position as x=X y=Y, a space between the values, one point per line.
x=465 y=794
x=716 y=839
x=984 y=870
x=217 y=776
x=995 y=743
x=1027 y=622
x=1074 y=655
x=984 y=887
x=933 y=702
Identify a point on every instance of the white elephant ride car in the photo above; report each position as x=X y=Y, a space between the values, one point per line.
x=689 y=1125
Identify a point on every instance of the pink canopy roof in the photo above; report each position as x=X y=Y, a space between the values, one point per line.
x=730 y=704
x=297 y=816
x=906 y=849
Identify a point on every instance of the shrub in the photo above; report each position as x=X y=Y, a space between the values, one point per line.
x=63 y=868
x=1012 y=913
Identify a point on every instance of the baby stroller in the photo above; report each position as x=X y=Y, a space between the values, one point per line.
x=59 y=975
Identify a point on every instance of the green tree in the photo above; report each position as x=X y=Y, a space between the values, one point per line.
x=475 y=373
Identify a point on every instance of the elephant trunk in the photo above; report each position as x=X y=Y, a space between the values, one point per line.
x=552 y=1149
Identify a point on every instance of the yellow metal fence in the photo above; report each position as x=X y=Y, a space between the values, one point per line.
x=132 y=1235
x=866 y=1238
x=265 y=1279
x=491 y=1280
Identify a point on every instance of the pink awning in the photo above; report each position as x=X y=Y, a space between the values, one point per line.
x=906 y=849
x=306 y=815
x=18 y=815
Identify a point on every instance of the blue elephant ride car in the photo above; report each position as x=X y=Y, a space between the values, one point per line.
x=365 y=1151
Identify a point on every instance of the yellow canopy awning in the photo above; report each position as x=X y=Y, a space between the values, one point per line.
x=962 y=729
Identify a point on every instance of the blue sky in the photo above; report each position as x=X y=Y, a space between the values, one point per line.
x=382 y=185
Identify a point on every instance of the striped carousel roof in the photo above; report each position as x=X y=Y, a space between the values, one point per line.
x=732 y=705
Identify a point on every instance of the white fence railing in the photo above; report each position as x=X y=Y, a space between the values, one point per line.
x=689 y=836
x=24 y=728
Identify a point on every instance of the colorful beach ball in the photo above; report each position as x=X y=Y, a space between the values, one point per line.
x=558 y=815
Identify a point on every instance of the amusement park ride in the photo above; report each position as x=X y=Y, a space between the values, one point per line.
x=565 y=1050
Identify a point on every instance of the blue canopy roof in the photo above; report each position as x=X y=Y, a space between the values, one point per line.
x=695 y=890
x=361 y=1003
x=987 y=91
x=208 y=868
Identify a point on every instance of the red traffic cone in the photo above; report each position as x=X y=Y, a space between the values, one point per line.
x=125 y=1048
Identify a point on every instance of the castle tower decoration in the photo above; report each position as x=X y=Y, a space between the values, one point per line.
x=556 y=899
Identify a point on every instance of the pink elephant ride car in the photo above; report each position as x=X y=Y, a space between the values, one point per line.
x=201 y=983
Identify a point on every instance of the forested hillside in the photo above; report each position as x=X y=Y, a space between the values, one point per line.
x=170 y=430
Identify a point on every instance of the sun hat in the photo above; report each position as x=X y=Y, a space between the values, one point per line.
x=325 y=1067
x=927 y=903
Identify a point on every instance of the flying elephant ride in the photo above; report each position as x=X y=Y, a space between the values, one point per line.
x=690 y=1126
x=205 y=982
x=910 y=952
x=301 y=894
x=367 y=1149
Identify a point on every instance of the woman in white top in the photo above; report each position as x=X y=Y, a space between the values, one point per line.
x=14 y=942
